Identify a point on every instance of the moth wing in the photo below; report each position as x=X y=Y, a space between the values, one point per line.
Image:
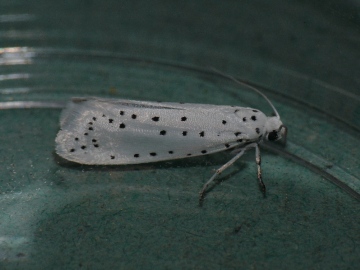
x=105 y=131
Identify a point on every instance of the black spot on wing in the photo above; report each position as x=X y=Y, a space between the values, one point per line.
x=94 y=143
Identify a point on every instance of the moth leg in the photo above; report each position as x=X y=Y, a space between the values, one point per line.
x=224 y=167
x=258 y=163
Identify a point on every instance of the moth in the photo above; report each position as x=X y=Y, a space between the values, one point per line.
x=100 y=131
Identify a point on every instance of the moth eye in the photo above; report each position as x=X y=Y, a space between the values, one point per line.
x=273 y=135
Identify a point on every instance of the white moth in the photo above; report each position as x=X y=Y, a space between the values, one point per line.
x=101 y=131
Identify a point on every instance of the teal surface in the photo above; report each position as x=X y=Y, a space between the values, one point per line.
x=303 y=55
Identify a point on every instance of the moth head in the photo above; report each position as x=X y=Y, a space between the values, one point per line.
x=275 y=130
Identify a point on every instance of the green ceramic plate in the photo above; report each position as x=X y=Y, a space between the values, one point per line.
x=59 y=215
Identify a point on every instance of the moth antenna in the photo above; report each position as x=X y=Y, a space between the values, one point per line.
x=249 y=86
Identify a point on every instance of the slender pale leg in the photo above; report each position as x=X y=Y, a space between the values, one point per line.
x=258 y=163
x=230 y=162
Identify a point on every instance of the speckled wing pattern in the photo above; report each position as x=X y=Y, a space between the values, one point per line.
x=116 y=131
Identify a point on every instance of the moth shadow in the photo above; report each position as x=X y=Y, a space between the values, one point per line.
x=217 y=159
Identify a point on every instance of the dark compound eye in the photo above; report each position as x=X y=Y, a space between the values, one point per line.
x=273 y=135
